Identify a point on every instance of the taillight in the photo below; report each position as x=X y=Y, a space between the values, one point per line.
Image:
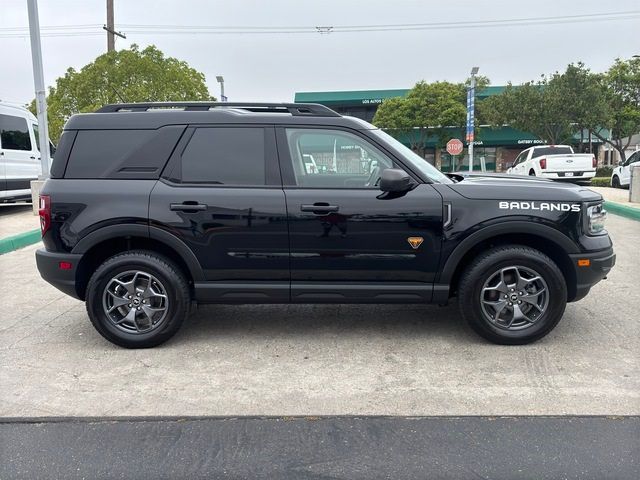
x=45 y=213
x=594 y=162
x=543 y=163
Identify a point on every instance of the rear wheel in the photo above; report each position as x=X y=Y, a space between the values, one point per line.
x=512 y=295
x=615 y=181
x=137 y=299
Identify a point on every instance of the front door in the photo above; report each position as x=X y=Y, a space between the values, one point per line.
x=222 y=196
x=19 y=154
x=349 y=242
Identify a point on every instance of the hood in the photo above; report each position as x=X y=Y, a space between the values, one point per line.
x=510 y=187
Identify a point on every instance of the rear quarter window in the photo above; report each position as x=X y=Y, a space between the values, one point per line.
x=113 y=154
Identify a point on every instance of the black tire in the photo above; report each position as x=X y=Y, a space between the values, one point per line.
x=485 y=267
x=532 y=173
x=615 y=182
x=170 y=278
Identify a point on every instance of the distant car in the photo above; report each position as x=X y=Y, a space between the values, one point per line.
x=557 y=162
x=621 y=175
x=19 y=152
x=310 y=165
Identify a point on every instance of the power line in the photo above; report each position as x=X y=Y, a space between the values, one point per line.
x=140 y=29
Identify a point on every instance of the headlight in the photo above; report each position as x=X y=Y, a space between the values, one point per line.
x=596 y=217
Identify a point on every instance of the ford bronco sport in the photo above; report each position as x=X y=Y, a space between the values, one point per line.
x=152 y=207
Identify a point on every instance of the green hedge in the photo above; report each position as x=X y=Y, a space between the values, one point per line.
x=604 y=172
x=601 y=181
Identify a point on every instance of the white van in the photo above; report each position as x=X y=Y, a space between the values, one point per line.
x=19 y=152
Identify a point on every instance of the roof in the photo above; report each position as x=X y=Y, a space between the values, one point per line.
x=372 y=97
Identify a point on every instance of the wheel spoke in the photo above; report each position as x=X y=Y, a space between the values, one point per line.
x=533 y=298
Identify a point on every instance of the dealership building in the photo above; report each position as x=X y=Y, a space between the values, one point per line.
x=496 y=147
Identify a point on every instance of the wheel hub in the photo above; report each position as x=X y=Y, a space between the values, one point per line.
x=514 y=297
x=135 y=302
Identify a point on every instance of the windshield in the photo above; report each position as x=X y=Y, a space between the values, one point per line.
x=414 y=160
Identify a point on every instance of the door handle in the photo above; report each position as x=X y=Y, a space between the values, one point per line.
x=32 y=158
x=319 y=208
x=187 y=207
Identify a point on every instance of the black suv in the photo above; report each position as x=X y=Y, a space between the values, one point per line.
x=151 y=207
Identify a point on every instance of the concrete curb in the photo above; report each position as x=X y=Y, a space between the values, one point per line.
x=622 y=210
x=24 y=239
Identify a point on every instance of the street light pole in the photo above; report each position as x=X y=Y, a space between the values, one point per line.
x=220 y=80
x=471 y=95
x=38 y=80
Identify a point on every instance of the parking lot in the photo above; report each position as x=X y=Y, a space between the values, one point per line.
x=320 y=360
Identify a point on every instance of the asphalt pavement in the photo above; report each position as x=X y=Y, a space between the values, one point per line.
x=315 y=448
x=320 y=360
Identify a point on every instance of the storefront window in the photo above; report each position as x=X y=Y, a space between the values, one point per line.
x=487 y=155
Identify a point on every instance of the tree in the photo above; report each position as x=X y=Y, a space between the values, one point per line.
x=618 y=104
x=426 y=112
x=535 y=107
x=132 y=75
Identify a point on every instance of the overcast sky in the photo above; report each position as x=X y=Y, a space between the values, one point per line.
x=272 y=67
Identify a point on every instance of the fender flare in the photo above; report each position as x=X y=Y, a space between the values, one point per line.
x=517 y=227
x=145 y=231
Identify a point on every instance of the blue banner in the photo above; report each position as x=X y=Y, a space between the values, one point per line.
x=471 y=96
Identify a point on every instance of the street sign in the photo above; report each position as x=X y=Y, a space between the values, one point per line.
x=454 y=147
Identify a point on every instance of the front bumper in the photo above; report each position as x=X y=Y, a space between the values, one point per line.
x=599 y=265
x=49 y=268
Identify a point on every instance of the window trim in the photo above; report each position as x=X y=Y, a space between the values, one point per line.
x=172 y=173
x=286 y=162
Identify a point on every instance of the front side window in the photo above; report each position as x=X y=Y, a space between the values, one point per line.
x=334 y=159
x=14 y=133
x=225 y=156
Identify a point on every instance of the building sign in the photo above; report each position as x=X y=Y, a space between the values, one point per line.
x=372 y=101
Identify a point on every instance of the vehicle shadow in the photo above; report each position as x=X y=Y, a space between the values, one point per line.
x=264 y=321
x=7 y=209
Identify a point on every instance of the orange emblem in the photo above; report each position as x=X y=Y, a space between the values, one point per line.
x=415 y=242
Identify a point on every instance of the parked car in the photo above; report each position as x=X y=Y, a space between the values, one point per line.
x=151 y=208
x=19 y=152
x=621 y=175
x=557 y=162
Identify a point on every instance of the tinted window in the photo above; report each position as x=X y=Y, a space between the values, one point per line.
x=334 y=159
x=14 y=133
x=96 y=152
x=226 y=156
x=539 y=152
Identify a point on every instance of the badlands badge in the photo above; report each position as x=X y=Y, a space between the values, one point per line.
x=415 y=242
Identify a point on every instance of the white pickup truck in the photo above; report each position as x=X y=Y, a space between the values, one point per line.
x=554 y=161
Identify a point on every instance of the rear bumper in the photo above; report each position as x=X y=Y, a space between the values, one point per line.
x=584 y=175
x=600 y=264
x=49 y=268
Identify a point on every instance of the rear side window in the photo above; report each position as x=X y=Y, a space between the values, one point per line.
x=14 y=133
x=132 y=154
x=225 y=156
x=539 y=152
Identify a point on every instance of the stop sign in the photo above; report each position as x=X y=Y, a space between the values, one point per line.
x=454 y=147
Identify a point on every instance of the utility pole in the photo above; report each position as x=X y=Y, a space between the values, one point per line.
x=111 y=39
x=110 y=28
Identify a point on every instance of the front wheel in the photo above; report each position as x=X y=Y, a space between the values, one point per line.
x=615 y=182
x=137 y=299
x=512 y=295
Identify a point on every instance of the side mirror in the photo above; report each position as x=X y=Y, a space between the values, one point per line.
x=395 y=180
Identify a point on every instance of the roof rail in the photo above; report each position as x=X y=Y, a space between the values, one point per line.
x=296 y=109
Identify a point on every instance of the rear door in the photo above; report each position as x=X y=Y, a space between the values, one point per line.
x=349 y=241
x=221 y=194
x=19 y=153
